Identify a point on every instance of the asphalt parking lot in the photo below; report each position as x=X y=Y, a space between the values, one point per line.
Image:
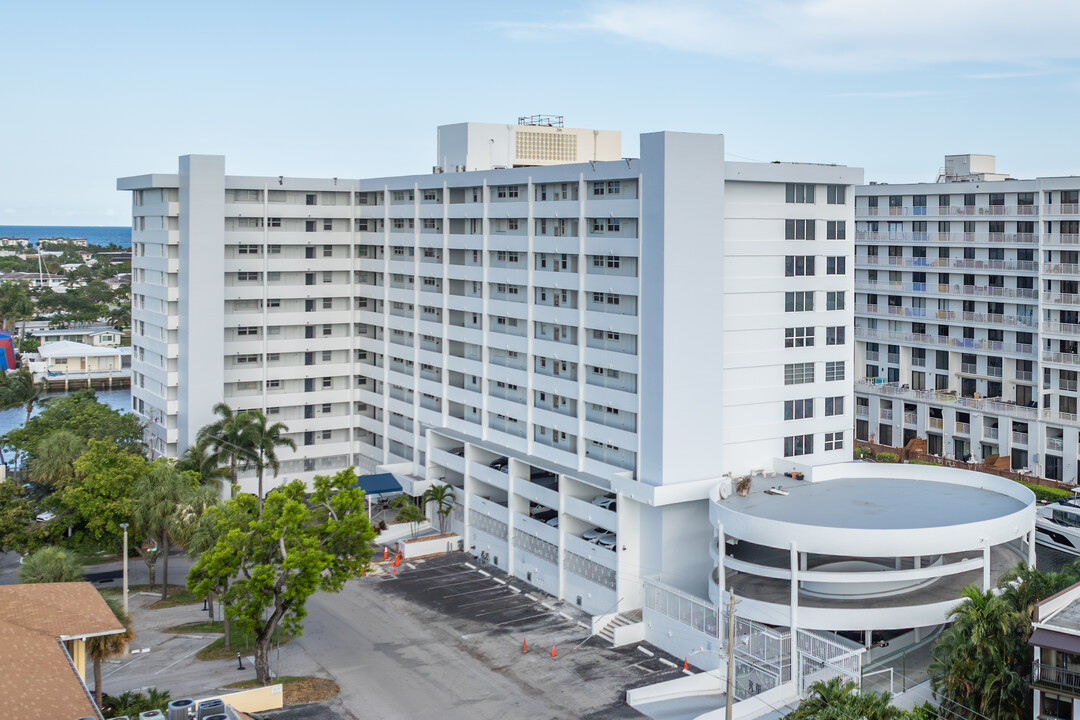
x=493 y=615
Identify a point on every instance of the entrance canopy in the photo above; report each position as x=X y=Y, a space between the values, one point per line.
x=379 y=484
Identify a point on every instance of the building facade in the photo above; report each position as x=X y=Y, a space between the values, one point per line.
x=591 y=343
x=967 y=321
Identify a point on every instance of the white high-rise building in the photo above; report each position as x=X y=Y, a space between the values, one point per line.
x=967 y=316
x=537 y=337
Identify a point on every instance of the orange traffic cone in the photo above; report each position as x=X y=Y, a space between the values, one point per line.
x=385 y=552
x=685 y=663
x=524 y=646
x=552 y=651
x=393 y=569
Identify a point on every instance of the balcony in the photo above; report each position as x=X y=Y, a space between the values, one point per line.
x=1055 y=678
x=941 y=398
x=990 y=433
x=963 y=428
x=886 y=413
x=936 y=423
x=1020 y=438
x=911 y=418
x=1055 y=444
x=862 y=411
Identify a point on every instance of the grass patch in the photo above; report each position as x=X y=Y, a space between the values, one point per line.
x=242 y=642
x=297 y=690
x=923 y=462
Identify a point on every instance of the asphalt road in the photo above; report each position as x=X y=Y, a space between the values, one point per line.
x=110 y=574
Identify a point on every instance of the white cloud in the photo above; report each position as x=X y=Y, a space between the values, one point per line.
x=830 y=35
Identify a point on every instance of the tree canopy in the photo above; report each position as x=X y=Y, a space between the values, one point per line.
x=100 y=496
x=298 y=545
x=50 y=565
x=81 y=414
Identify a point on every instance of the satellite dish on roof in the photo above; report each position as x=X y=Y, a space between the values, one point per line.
x=725 y=488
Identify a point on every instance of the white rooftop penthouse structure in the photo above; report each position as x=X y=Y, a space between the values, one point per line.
x=579 y=349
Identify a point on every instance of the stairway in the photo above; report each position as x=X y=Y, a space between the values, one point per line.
x=622 y=619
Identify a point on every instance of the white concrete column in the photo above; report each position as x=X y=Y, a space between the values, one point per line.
x=720 y=573
x=1031 y=549
x=986 y=564
x=794 y=587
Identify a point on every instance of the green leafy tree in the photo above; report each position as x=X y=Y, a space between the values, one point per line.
x=981 y=663
x=161 y=497
x=16 y=305
x=229 y=440
x=50 y=565
x=52 y=463
x=197 y=532
x=298 y=545
x=82 y=414
x=99 y=497
x=409 y=512
x=839 y=699
x=18 y=389
x=16 y=517
x=444 y=498
x=106 y=647
x=264 y=440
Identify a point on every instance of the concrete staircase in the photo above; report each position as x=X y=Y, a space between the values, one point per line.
x=622 y=619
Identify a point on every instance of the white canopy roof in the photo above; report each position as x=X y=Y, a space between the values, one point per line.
x=67 y=348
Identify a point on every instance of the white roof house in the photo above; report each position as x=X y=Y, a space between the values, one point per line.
x=75 y=359
x=90 y=334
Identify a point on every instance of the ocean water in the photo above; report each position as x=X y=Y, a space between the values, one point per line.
x=94 y=234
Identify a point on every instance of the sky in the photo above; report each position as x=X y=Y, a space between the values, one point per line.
x=92 y=91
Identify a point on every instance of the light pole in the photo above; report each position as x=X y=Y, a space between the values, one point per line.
x=125 y=527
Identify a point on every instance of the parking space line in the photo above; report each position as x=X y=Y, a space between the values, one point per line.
x=471 y=592
x=486 y=600
x=485 y=573
x=530 y=617
x=667 y=662
x=501 y=582
x=647 y=651
x=185 y=657
x=469 y=565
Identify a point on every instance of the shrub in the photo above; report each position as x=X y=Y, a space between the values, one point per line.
x=51 y=565
x=132 y=703
x=887 y=457
x=1049 y=494
x=861 y=453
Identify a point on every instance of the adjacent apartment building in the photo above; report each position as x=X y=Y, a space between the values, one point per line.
x=968 y=316
x=556 y=331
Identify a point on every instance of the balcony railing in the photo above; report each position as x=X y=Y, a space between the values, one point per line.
x=990 y=433
x=959 y=210
x=886 y=413
x=911 y=418
x=942 y=398
x=1055 y=677
x=936 y=423
x=1054 y=443
x=972 y=238
x=963 y=428
x=1020 y=437
x=862 y=411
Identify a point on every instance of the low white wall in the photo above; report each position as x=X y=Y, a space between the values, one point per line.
x=398 y=531
x=686 y=686
x=422 y=546
x=757 y=706
x=628 y=634
x=683 y=641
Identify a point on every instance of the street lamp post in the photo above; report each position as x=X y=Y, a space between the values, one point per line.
x=125 y=527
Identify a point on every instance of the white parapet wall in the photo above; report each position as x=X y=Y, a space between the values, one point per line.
x=429 y=545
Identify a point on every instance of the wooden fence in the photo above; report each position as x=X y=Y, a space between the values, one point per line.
x=905 y=454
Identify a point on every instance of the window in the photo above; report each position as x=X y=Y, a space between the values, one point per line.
x=327 y=224
x=247 y=276
x=798 y=373
x=798 y=445
x=836 y=265
x=835 y=194
x=798 y=265
x=835 y=335
x=613 y=224
x=799 y=229
x=834 y=441
x=310 y=199
x=328 y=251
x=272 y=384
x=430 y=195
x=799 y=301
x=247 y=331
x=834 y=370
x=273 y=302
x=246 y=359
x=799 y=337
x=799 y=193
x=274 y=222
x=327 y=382
x=327 y=303
x=836 y=230
x=834 y=300
x=798 y=409
x=327 y=276
x=248 y=250
x=834 y=406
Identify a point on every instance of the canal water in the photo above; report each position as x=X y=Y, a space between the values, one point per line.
x=116 y=399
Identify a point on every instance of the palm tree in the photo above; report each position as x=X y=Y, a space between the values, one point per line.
x=54 y=458
x=264 y=440
x=410 y=512
x=106 y=647
x=444 y=498
x=979 y=663
x=227 y=440
x=201 y=459
x=50 y=565
x=839 y=699
x=160 y=499
x=18 y=389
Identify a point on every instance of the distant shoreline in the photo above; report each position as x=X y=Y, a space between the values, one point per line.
x=95 y=234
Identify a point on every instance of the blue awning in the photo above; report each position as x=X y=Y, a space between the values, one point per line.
x=378 y=484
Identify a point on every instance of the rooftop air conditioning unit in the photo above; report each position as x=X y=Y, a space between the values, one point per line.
x=181 y=709
x=151 y=715
x=208 y=708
